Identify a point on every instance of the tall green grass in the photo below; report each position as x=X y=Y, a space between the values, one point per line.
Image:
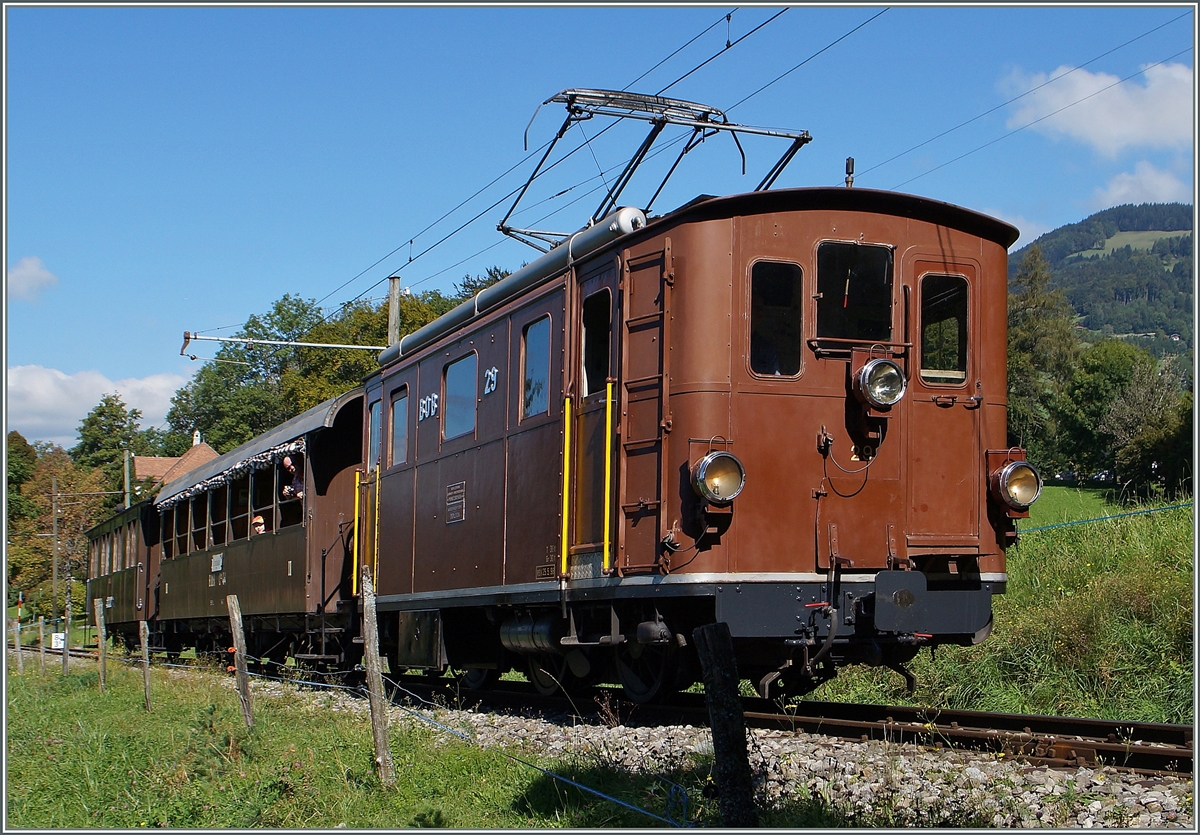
x=81 y=759
x=1097 y=621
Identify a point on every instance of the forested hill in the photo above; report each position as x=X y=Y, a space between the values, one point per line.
x=1125 y=270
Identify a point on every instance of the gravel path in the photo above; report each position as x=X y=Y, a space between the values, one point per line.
x=873 y=781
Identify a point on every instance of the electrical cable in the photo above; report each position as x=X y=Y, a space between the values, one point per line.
x=825 y=48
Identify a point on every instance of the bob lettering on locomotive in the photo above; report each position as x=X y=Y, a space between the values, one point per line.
x=783 y=410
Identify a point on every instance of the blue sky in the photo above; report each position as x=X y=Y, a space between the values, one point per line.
x=172 y=169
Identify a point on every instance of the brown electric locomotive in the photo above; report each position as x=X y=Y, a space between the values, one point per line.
x=782 y=410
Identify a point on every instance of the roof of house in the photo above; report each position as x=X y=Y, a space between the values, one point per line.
x=164 y=470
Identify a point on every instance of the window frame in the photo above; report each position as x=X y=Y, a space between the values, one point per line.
x=818 y=293
x=799 y=308
x=522 y=414
x=398 y=393
x=445 y=408
x=965 y=342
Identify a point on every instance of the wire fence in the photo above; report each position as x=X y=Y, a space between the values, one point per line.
x=1104 y=518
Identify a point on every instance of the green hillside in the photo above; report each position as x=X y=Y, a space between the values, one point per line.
x=1127 y=271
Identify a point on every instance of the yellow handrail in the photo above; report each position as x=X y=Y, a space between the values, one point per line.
x=566 y=486
x=375 y=568
x=608 y=441
x=357 y=494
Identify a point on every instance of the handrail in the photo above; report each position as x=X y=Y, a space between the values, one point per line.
x=566 y=486
x=608 y=450
x=357 y=529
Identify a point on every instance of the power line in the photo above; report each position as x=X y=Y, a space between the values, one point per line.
x=728 y=46
x=1042 y=118
x=825 y=48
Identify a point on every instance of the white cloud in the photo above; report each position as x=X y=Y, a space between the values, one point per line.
x=1146 y=184
x=44 y=404
x=28 y=278
x=1153 y=110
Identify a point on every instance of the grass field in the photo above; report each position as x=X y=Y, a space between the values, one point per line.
x=1097 y=621
x=1135 y=240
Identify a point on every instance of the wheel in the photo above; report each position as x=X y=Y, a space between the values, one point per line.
x=477 y=678
x=548 y=673
x=647 y=671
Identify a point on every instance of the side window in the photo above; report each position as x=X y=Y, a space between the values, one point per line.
x=775 y=295
x=461 y=383
x=854 y=291
x=200 y=522
x=262 y=494
x=374 y=427
x=943 y=329
x=181 y=528
x=218 y=508
x=597 y=328
x=167 y=535
x=240 y=507
x=535 y=368
x=398 y=442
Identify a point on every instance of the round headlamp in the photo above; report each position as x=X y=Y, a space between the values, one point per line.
x=881 y=383
x=718 y=477
x=1018 y=484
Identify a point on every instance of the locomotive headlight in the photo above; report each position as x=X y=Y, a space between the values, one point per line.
x=881 y=383
x=718 y=477
x=1018 y=484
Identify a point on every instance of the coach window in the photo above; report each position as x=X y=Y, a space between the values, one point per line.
x=218 y=510
x=775 y=319
x=374 y=428
x=262 y=492
x=181 y=528
x=461 y=383
x=535 y=368
x=167 y=520
x=398 y=437
x=200 y=522
x=943 y=329
x=597 y=329
x=239 y=507
x=854 y=292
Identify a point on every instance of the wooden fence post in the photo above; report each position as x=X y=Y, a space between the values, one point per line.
x=734 y=785
x=144 y=629
x=17 y=644
x=101 y=639
x=42 y=641
x=239 y=659
x=383 y=752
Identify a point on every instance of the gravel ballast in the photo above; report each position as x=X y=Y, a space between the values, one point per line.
x=869 y=782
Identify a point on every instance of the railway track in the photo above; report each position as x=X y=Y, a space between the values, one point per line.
x=1053 y=741
x=1056 y=742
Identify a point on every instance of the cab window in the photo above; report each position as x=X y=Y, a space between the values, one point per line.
x=854 y=291
x=943 y=329
x=374 y=429
x=597 y=328
x=775 y=319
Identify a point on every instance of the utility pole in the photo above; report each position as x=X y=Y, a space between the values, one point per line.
x=128 y=497
x=393 y=332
